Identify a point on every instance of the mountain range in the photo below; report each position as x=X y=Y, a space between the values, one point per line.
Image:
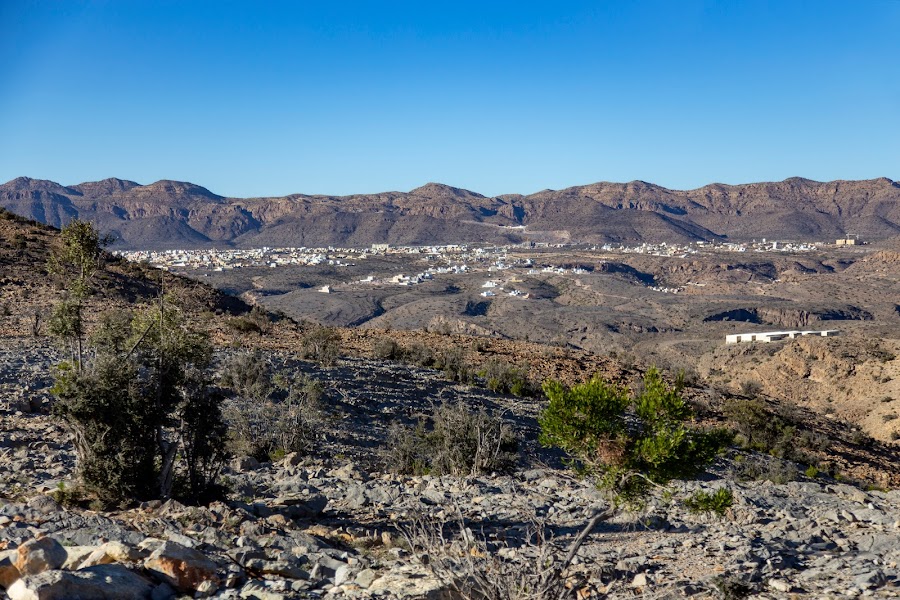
x=173 y=214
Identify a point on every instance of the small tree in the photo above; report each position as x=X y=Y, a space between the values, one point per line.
x=75 y=262
x=627 y=442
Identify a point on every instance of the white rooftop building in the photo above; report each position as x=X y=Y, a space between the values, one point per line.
x=774 y=336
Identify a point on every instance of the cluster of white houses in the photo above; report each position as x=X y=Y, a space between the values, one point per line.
x=774 y=336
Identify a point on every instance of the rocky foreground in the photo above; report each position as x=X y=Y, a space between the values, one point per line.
x=335 y=525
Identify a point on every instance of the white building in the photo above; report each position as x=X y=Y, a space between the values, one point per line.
x=774 y=336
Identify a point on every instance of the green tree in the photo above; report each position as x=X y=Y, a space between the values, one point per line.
x=627 y=442
x=146 y=421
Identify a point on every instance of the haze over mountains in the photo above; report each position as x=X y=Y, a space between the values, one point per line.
x=171 y=214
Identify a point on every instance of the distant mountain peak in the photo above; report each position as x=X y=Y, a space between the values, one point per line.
x=29 y=183
x=106 y=187
x=180 y=188
x=434 y=190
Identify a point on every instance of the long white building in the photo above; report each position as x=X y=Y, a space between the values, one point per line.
x=774 y=336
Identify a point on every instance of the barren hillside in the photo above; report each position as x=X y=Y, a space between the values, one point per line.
x=169 y=214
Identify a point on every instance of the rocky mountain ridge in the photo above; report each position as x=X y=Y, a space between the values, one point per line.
x=171 y=214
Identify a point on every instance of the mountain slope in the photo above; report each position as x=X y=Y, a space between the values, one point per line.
x=169 y=214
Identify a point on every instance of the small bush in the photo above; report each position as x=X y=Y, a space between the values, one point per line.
x=504 y=378
x=256 y=321
x=452 y=362
x=248 y=375
x=774 y=432
x=420 y=354
x=321 y=344
x=704 y=502
x=453 y=441
x=288 y=419
x=761 y=468
x=478 y=569
x=65 y=496
x=733 y=587
x=751 y=388
x=407 y=449
x=811 y=471
x=387 y=349
x=860 y=438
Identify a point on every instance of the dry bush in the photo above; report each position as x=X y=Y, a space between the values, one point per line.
x=256 y=321
x=271 y=413
x=321 y=344
x=387 y=349
x=420 y=354
x=454 y=441
x=536 y=568
x=504 y=378
x=452 y=362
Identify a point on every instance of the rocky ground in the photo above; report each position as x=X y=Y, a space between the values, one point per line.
x=333 y=524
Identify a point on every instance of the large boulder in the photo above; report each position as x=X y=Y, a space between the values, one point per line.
x=103 y=582
x=181 y=567
x=39 y=555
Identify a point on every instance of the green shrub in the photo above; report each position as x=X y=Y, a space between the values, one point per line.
x=65 y=496
x=453 y=440
x=407 y=450
x=627 y=442
x=775 y=432
x=758 y=427
x=703 y=502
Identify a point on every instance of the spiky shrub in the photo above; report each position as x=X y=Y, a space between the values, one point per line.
x=627 y=442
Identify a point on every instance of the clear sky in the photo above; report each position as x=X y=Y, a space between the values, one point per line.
x=269 y=98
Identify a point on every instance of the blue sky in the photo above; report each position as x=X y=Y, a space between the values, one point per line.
x=270 y=98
